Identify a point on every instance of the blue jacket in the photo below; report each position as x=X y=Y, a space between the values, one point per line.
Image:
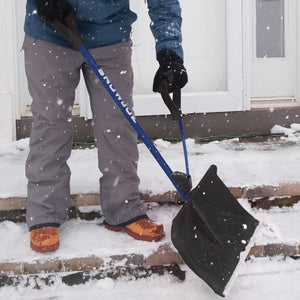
x=107 y=22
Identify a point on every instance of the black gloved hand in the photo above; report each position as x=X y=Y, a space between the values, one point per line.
x=51 y=10
x=170 y=69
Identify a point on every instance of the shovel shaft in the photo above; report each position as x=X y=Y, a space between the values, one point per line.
x=129 y=115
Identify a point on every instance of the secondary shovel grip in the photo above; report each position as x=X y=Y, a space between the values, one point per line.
x=174 y=105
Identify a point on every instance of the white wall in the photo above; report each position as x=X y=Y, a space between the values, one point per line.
x=8 y=89
x=14 y=96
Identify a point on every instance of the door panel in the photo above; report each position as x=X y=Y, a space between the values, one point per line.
x=274 y=66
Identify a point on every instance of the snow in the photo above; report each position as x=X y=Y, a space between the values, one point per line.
x=261 y=279
x=239 y=164
x=292 y=132
x=275 y=229
x=15 y=239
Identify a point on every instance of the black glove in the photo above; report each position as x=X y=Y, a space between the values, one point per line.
x=51 y=10
x=170 y=69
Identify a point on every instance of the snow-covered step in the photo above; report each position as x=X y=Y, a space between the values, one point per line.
x=87 y=245
x=279 y=232
x=250 y=169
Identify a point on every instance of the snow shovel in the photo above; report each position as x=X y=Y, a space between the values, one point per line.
x=212 y=232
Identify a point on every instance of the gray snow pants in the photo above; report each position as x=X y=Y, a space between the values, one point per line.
x=53 y=73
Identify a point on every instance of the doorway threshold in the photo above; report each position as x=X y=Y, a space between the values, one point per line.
x=273 y=103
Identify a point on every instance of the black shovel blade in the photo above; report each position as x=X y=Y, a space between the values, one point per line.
x=212 y=232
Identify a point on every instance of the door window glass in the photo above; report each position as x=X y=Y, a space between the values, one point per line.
x=270 y=28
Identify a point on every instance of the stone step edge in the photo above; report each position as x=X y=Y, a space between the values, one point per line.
x=165 y=255
x=89 y=199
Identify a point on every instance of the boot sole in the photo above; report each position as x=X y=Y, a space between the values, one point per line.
x=152 y=238
x=49 y=248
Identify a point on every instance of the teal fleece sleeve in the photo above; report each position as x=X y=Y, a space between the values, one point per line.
x=165 y=25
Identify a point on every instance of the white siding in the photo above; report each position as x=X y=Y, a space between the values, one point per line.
x=8 y=87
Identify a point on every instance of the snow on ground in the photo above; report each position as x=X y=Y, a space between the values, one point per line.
x=262 y=279
x=239 y=164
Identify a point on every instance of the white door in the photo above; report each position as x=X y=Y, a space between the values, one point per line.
x=275 y=55
x=213 y=48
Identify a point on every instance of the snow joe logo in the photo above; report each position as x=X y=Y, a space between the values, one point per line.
x=117 y=96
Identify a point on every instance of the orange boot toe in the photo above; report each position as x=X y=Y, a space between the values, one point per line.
x=143 y=229
x=44 y=239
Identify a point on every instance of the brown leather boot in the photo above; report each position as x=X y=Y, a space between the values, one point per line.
x=45 y=239
x=144 y=230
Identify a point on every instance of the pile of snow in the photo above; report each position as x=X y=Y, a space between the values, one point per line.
x=293 y=133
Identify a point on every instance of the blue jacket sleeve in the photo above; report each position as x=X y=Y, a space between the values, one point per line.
x=165 y=25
